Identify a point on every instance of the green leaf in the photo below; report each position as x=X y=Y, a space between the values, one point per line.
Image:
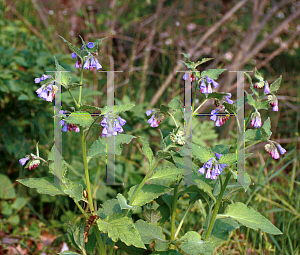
x=147 y=193
x=89 y=107
x=118 y=108
x=228 y=159
x=7 y=190
x=65 y=76
x=150 y=232
x=80 y=53
x=258 y=75
x=169 y=252
x=147 y=151
x=256 y=135
x=221 y=230
x=76 y=236
x=167 y=173
x=267 y=127
x=151 y=215
x=118 y=226
x=51 y=157
x=231 y=108
x=98 y=148
x=175 y=104
x=250 y=218
x=69 y=253
x=81 y=118
x=123 y=202
x=263 y=105
x=109 y=207
x=92 y=240
x=192 y=244
x=221 y=148
x=213 y=73
x=216 y=95
x=162 y=142
x=251 y=101
x=44 y=185
x=275 y=85
x=202 y=153
x=251 y=85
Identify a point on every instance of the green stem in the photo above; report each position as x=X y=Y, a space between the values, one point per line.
x=194 y=112
x=111 y=249
x=86 y=171
x=76 y=104
x=181 y=222
x=81 y=78
x=217 y=206
x=91 y=127
x=174 y=120
x=81 y=209
x=175 y=198
x=99 y=239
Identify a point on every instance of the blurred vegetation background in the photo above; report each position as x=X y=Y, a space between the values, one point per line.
x=145 y=40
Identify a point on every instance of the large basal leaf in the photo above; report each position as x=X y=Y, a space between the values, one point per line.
x=118 y=108
x=150 y=232
x=213 y=73
x=147 y=193
x=98 y=148
x=118 y=226
x=167 y=173
x=81 y=118
x=192 y=244
x=7 y=190
x=147 y=151
x=250 y=218
x=275 y=85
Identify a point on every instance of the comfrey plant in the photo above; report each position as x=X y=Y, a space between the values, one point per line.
x=210 y=170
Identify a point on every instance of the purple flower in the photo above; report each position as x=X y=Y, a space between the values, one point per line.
x=220 y=115
x=149 y=112
x=273 y=102
x=213 y=168
x=255 y=119
x=90 y=45
x=272 y=150
x=209 y=81
x=229 y=101
x=78 y=64
x=203 y=87
x=74 y=55
x=193 y=77
x=24 y=160
x=44 y=77
x=95 y=64
x=112 y=126
x=86 y=65
x=153 y=122
x=281 y=150
x=47 y=93
x=82 y=47
x=37 y=80
x=267 y=88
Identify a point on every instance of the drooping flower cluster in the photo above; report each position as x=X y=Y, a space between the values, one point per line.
x=47 y=91
x=220 y=115
x=272 y=150
x=178 y=137
x=112 y=126
x=193 y=77
x=213 y=168
x=273 y=102
x=68 y=126
x=255 y=119
x=33 y=162
x=208 y=89
x=90 y=61
x=155 y=119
